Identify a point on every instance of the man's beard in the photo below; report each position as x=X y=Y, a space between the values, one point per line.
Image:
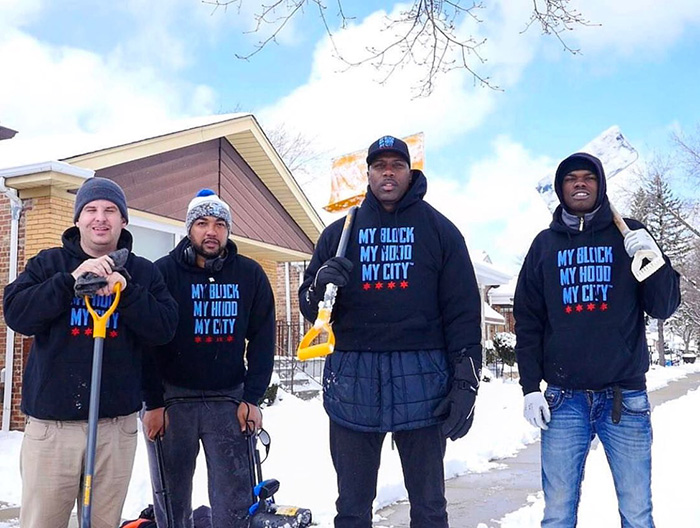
x=200 y=250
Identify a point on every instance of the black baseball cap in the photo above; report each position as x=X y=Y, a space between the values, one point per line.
x=388 y=144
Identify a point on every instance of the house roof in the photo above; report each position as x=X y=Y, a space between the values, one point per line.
x=489 y=275
x=95 y=152
x=491 y=316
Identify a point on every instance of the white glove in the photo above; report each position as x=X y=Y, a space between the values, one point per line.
x=640 y=239
x=536 y=410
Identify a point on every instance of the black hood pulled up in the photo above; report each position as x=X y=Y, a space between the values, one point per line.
x=581 y=160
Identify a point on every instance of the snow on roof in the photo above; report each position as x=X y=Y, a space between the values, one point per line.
x=488 y=274
x=21 y=150
x=491 y=316
x=503 y=294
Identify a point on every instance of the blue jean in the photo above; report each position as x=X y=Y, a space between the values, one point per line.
x=356 y=457
x=577 y=417
x=216 y=426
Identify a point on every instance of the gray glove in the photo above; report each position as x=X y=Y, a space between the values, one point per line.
x=89 y=283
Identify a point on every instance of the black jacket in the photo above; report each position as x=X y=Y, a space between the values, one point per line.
x=579 y=311
x=41 y=303
x=412 y=286
x=225 y=315
x=411 y=301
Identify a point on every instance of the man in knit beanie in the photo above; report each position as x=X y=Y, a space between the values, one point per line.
x=44 y=302
x=100 y=189
x=223 y=350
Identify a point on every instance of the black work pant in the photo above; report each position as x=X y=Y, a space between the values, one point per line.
x=356 y=457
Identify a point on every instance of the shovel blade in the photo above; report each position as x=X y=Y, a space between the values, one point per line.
x=645 y=264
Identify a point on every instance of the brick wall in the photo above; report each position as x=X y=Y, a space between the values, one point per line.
x=16 y=417
x=47 y=218
x=5 y=222
x=280 y=292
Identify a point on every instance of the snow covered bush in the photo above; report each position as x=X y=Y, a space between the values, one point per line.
x=504 y=345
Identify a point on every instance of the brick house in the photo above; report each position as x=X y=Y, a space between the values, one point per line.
x=273 y=222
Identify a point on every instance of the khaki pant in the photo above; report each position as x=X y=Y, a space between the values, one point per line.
x=52 y=462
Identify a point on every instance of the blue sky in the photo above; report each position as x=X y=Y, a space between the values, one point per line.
x=74 y=67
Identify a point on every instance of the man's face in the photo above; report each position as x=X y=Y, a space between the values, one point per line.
x=208 y=236
x=100 y=224
x=580 y=191
x=389 y=178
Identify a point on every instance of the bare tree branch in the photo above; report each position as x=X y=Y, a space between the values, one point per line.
x=688 y=147
x=427 y=34
x=556 y=17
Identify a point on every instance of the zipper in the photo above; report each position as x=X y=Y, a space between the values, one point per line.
x=580 y=223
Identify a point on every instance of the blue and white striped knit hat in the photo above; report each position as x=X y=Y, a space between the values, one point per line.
x=207 y=203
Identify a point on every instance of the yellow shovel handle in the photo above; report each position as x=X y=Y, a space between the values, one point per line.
x=100 y=321
x=322 y=324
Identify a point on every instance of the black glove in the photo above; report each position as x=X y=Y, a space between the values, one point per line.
x=89 y=283
x=336 y=271
x=458 y=405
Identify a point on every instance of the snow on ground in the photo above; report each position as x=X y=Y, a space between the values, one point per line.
x=299 y=458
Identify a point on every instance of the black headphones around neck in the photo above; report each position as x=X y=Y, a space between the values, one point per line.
x=212 y=265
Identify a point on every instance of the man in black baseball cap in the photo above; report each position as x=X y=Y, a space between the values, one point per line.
x=407 y=323
x=388 y=144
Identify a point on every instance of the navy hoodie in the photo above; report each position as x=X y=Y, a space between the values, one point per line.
x=41 y=303
x=579 y=311
x=226 y=334
x=412 y=286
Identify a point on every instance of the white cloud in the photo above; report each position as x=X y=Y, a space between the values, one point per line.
x=496 y=205
x=65 y=90
x=351 y=103
x=633 y=27
x=18 y=12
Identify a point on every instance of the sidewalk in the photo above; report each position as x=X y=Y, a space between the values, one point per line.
x=487 y=497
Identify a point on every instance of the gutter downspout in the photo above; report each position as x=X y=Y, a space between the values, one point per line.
x=288 y=308
x=16 y=212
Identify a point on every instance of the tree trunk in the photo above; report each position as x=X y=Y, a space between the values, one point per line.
x=660 y=342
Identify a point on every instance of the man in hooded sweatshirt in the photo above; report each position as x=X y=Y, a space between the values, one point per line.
x=56 y=388
x=579 y=324
x=222 y=354
x=407 y=321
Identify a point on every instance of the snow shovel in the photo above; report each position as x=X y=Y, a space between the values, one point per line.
x=644 y=263
x=306 y=350
x=99 y=333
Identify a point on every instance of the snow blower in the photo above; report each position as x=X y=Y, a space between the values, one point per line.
x=323 y=320
x=264 y=512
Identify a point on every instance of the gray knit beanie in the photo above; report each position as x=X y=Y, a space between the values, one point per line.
x=207 y=203
x=100 y=189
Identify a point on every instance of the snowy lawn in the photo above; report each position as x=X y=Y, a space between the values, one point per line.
x=300 y=459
